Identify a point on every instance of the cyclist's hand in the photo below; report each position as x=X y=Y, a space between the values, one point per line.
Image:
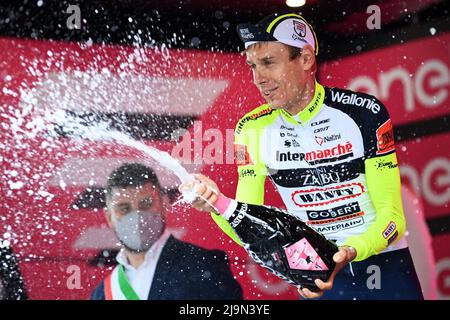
x=206 y=190
x=345 y=255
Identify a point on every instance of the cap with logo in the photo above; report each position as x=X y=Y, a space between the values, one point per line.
x=291 y=29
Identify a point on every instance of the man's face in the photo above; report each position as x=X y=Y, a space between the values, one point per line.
x=280 y=80
x=146 y=198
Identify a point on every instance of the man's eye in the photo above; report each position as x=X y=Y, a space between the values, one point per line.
x=123 y=210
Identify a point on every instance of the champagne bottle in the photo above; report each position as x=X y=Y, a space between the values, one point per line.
x=280 y=242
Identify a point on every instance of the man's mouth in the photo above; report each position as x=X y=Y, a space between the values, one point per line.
x=269 y=92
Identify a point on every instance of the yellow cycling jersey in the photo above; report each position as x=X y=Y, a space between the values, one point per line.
x=334 y=165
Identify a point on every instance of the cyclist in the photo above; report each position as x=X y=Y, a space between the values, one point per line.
x=330 y=154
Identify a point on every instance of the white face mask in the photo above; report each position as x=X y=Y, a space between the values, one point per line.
x=139 y=230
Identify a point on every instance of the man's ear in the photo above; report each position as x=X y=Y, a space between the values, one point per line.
x=308 y=57
x=107 y=214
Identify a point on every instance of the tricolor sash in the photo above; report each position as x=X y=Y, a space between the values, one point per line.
x=117 y=286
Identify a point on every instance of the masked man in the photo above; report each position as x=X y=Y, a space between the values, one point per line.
x=152 y=264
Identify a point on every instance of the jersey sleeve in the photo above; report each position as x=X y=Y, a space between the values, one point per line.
x=252 y=172
x=378 y=132
x=384 y=188
x=251 y=169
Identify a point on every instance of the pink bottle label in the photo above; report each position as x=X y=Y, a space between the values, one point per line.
x=302 y=256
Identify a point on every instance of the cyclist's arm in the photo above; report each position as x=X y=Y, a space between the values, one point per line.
x=384 y=188
x=385 y=193
x=252 y=175
x=250 y=189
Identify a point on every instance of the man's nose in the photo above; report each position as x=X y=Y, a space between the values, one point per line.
x=259 y=77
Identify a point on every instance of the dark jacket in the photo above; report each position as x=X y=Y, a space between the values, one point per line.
x=188 y=272
x=10 y=276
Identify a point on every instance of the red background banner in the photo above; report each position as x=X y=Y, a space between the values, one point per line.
x=43 y=176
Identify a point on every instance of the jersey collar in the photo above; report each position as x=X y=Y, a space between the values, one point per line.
x=310 y=110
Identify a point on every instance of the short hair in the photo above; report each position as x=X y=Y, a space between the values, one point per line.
x=294 y=52
x=131 y=175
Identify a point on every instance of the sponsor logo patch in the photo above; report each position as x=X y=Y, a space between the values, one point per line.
x=385 y=138
x=246 y=34
x=289 y=134
x=253 y=116
x=241 y=155
x=354 y=99
x=322 y=196
x=333 y=215
x=247 y=173
x=382 y=165
x=389 y=229
x=330 y=138
x=283 y=127
x=336 y=220
x=319 y=177
x=318 y=123
x=321 y=129
x=341 y=151
x=331 y=228
x=319 y=140
x=299 y=28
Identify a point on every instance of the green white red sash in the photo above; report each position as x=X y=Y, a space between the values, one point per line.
x=117 y=286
